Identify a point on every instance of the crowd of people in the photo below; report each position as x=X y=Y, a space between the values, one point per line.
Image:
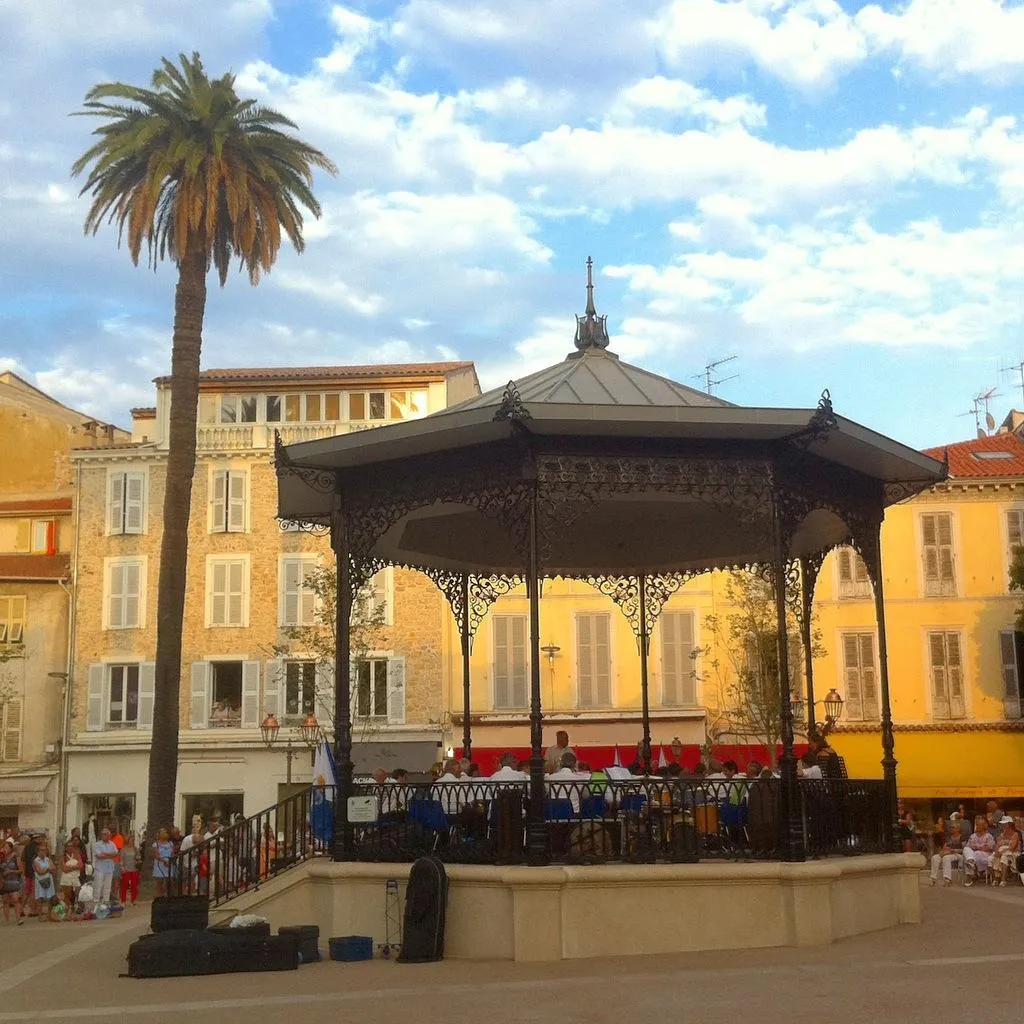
x=987 y=850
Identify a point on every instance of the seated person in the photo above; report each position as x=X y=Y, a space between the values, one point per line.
x=978 y=851
x=507 y=770
x=448 y=789
x=560 y=784
x=951 y=853
x=808 y=767
x=1007 y=848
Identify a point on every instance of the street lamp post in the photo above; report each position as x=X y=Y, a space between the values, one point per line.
x=309 y=732
x=832 y=703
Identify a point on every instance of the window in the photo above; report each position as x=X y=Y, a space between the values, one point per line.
x=12 y=620
x=22 y=535
x=298 y=599
x=292 y=408
x=947 y=675
x=1011 y=650
x=407 y=405
x=120 y=696
x=367 y=405
x=332 y=407
x=228 y=501
x=238 y=409
x=44 y=537
x=10 y=730
x=678 y=665
x=937 y=542
x=593 y=660
x=125 y=593
x=380 y=689
x=312 y=408
x=860 y=677
x=1014 y=531
x=225 y=694
x=227 y=591
x=123 y=706
x=299 y=689
x=510 y=685
x=273 y=408
x=126 y=498
x=375 y=603
x=853 y=574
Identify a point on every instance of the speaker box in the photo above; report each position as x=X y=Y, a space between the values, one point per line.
x=308 y=936
x=174 y=913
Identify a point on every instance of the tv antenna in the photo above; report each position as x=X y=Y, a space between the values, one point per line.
x=1019 y=369
x=979 y=402
x=711 y=380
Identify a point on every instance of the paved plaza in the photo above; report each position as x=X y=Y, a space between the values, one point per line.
x=970 y=946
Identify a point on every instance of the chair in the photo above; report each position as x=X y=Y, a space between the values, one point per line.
x=592 y=806
x=558 y=809
x=430 y=814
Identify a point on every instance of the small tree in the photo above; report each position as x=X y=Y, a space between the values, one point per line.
x=747 y=660
x=1017 y=583
x=317 y=640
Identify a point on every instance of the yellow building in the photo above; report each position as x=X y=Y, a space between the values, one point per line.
x=249 y=586
x=37 y=435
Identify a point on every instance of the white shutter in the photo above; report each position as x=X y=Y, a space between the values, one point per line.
x=325 y=693
x=1014 y=530
x=199 y=717
x=602 y=660
x=396 y=691
x=585 y=659
x=115 y=504
x=251 y=716
x=115 y=596
x=132 y=582
x=687 y=676
x=1008 y=655
x=852 y=677
x=273 y=684
x=134 y=502
x=520 y=662
x=95 y=717
x=236 y=502
x=502 y=661
x=307 y=596
x=955 y=674
x=218 y=593
x=147 y=694
x=869 y=677
x=10 y=737
x=670 y=667
x=940 y=688
x=845 y=557
x=219 y=501
x=236 y=594
x=290 y=587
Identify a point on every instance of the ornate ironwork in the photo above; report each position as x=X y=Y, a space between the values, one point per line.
x=483 y=592
x=303 y=526
x=821 y=424
x=591 y=329
x=625 y=592
x=323 y=480
x=512 y=406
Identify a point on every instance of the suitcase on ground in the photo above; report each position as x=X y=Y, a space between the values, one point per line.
x=171 y=954
x=426 y=900
x=254 y=953
x=259 y=928
x=308 y=936
x=174 y=913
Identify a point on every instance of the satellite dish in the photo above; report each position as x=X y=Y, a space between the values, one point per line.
x=981 y=434
x=990 y=421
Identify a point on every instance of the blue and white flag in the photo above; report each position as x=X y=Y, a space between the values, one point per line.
x=325 y=781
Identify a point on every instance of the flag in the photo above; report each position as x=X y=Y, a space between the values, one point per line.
x=617 y=761
x=662 y=759
x=325 y=781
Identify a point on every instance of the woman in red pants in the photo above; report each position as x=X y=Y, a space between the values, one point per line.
x=129 y=871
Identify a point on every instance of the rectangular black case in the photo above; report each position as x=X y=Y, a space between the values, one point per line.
x=173 y=913
x=190 y=952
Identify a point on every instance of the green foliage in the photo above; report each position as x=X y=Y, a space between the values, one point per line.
x=1017 y=583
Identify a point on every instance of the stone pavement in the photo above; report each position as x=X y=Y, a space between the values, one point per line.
x=970 y=945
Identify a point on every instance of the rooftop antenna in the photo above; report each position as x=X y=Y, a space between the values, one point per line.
x=709 y=377
x=977 y=403
x=1019 y=368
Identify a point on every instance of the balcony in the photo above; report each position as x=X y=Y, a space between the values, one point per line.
x=237 y=437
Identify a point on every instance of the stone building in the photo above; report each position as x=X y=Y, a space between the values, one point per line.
x=37 y=434
x=250 y=644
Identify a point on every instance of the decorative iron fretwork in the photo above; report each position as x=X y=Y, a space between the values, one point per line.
x=820 y=426
x=483 y=592
x=766 y=571
x=591 y=329
x=809 y=567
x=625 y=592
x=303 y=526
x=512 y=406
x=323 y=480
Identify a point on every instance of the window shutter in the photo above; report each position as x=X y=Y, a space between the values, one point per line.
x=502 y=661
x=1014 y=534
x=131 y=606
x=251 y=716
x=147 y=694
x=585 y=660
x=845 y=556
x=273 y=683
x=95 y=714
x=290 y=595
x=860 y=569
x=115 y=599
x=687 y=675
x=134 y=502
x=115 y=505
x=236 y=595
x=199 y=716
x=217 y=519
x=236 y=502
x=957 y=708
x=852 y=676
x=518 y=651
x=23 y=535
x=869 y=677
x=670 y=667
x=940 y=686
x=307 y=596
x=10 y=748
x=325 y=693
x=396 y=691
x=602 y=659
x=1008 y=656
x=928 y=532
x=219 y=594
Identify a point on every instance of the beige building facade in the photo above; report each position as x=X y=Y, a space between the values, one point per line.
x=253 y=642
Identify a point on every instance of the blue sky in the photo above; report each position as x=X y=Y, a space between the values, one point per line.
x=831 y=192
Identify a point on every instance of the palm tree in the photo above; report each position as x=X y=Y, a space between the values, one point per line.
x=194 y=174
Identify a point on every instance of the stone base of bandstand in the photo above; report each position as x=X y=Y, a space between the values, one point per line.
x=564 y=913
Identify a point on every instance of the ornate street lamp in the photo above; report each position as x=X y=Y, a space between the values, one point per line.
x=269 y=728
x=310 y=732
x=833 y=706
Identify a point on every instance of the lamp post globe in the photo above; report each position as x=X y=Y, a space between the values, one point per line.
x=269 y=728
x=833 y=705
x=310 y=730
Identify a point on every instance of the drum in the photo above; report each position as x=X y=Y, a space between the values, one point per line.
x=705 y=817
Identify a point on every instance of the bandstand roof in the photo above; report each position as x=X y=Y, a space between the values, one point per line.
x=593 y=406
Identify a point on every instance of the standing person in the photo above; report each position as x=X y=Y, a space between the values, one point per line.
x=76 y=834
x=105 y=857
x=11 y=880
x=129 y=872
x=28 y=855
x=553 y=755
x=71 y=864
x=163 y=850
x=45 y=888
x=198 y=864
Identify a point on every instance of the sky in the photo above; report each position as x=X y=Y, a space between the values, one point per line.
x=830 y=192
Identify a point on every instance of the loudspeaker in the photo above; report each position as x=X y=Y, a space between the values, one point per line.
x=174 y=913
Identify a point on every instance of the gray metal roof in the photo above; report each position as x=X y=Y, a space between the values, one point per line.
x=596 y=376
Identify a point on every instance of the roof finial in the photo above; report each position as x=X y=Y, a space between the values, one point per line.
x=591 y=329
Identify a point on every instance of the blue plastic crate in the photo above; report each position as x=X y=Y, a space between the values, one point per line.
x=351 y=947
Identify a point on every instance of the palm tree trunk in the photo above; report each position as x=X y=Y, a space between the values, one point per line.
x=189 y=307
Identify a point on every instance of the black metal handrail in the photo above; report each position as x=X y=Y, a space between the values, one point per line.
x=243 y=855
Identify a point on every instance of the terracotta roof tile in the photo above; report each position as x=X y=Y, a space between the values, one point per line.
x=143 y=412
x=1001 y=455
x=34 y=567
x=295 y=374
x=29 y=505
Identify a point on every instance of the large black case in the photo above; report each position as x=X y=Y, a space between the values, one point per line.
x=426 y=899
x=258 y=928
x=188 y=952
x=308 y=936
x=173 y=913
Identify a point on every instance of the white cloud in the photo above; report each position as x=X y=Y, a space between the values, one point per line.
x=356 y=33
x=674 y=97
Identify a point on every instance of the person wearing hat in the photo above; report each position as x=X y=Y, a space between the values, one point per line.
x=1004 y=860
x=951 y=853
